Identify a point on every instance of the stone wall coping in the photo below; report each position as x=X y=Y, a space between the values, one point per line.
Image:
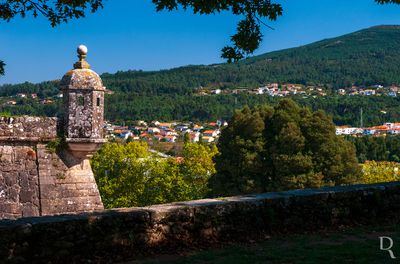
x=126 y=233
x=26 y=139
x=28 y=128
x=86 y=140
x=160 y=210
x=25 y=118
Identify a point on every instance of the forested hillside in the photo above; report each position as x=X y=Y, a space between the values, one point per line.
x=366 y=57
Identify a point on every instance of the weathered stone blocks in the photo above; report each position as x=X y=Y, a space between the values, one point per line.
x=67 y=185
x=28 y=128
x=122 y=234
x=37 y=181
x=18 y=189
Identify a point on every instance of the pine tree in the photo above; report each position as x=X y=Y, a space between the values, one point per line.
x=280 y=148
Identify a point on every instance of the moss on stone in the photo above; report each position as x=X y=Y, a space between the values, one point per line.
x=56 y=145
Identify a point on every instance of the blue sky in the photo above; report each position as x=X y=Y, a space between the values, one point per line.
x=129 y=34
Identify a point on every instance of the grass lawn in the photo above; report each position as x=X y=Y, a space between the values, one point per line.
x=359 y=245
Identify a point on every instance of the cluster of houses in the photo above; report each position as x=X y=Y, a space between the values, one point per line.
x=32 y=96
x=276 y=89
x=376 y=90
x=167 y=132
x=382 y=130
x=271 y=89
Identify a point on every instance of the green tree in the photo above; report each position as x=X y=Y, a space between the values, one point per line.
x=285 y=147
x=375 y=172
x=197 y=167
x=2 y=64
x=241 y=145
x=130 y=175
x=186 y=138
x=56 y=11
x=377 y=148
x=119 y=170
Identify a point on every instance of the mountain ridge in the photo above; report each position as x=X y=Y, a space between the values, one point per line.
x=365 y=57
x=368 y=56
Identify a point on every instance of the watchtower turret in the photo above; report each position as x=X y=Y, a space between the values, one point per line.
x=83 y=99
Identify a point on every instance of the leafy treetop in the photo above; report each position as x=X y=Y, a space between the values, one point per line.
x=130 y=175
x=248 y=36
x=56 y=11
x=285 y=147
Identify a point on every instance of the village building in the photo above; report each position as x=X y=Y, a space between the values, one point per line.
x=367 y=92
x=216 y=91
x=347 y=130
x=197 y=128
x=207 y=139
x=211 y=133
x=194 y=137
x=153 y=130
x=171 y=139
x=165 y=125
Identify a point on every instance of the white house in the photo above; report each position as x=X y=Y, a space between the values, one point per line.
x=125 y=135
x=368 y=92
x=259 y=90
x=207 y=139
x=155 y=123
x=211 y=133
x=188 y=130
x=392 y=125
x=216 y=91
x=197 y=128
x=347 y=130
x=394 y=131
x=168 y=132
x=153 y=130
x=171 y=139
x=182 y=127
x=194 y=137
x=370 y=131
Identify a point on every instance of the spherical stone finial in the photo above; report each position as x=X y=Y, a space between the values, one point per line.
x=82 y=63
x=82 y=50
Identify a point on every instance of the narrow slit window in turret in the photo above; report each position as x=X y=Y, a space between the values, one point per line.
x=81 y=101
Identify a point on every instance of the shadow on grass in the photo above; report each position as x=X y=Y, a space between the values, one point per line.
x=357 y=245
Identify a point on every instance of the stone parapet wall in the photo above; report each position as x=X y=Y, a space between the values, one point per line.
x=28 y=128
x=19 y=186
x=124 y=234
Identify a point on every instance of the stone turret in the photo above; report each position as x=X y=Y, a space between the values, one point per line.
x=39 y=177
x=83 y=95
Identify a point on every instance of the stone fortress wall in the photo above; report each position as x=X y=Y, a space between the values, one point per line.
x=37 y=181
x=117 y=235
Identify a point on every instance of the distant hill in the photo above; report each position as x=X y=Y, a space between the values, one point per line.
x=365 y=57
x=369 y=56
